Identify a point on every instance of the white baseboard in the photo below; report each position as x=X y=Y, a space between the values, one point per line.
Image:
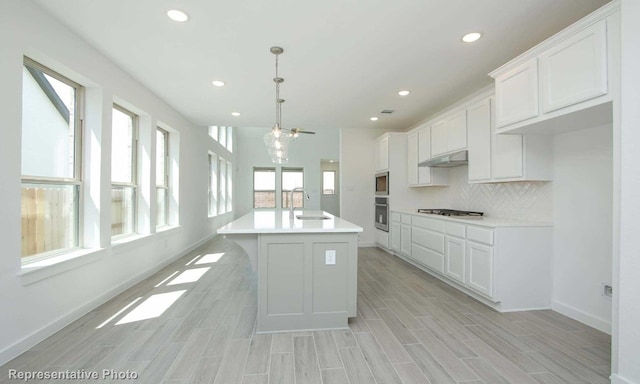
x=28 y=342
x=581 y=316
x=615 y=379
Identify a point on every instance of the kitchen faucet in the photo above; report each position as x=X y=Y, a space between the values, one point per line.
x=296 y=189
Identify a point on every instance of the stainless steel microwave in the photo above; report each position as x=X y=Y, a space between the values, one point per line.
x=382 y=183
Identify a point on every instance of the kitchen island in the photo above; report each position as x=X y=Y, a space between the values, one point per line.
x=306 y=264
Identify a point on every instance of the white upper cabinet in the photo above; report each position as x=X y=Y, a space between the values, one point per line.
x=517 y=94
x=575 y=70
x=382 y=154
x=412 y=158
x=479 y=140
x=449 y=134
x=566 y=82
x=419 y=150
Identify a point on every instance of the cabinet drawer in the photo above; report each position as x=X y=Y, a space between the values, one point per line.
x=428 y=258
x=432 y=224
x=395 y=216
x=480 y=235
x=406 y=219
x=455 y=229
x=428 y=239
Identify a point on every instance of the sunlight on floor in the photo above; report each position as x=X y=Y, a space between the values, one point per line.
x=167 y=279
x=210 y=258
x=189 y=276
x=118 y=313
x=152 y=307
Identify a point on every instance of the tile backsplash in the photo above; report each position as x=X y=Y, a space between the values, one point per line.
x=531 y=201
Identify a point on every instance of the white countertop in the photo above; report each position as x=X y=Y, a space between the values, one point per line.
x=278 y=221
x=484 y=221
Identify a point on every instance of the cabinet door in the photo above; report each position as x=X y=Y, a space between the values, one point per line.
x=395 y=236
x=575 y=70
x=412 y=158
x=427 y=257
x=517 y=94
x=405 y=239
x=480 y=268
x=424 y=153
x=457 y=132
x=507 y=161
x=454 y=258
x=439 y=138
x=382 y=154
x=479 y=140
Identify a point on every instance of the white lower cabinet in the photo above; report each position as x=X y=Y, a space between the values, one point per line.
x=405 y=239
x=508 y=268
x=395 y=236
x=455 y=258
x=480 y=268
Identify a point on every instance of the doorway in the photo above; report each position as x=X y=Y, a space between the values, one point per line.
x=330 y=186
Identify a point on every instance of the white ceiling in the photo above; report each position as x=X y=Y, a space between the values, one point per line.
x=344 y=61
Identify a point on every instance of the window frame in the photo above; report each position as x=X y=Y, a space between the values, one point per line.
x=134 y=184
x=275 y=192
x=229 y=186
x=222 y=186
x=166 y=181
x=76 y=181
x=283 y=191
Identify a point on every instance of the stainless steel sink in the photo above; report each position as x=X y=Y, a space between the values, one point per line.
x=312 y=217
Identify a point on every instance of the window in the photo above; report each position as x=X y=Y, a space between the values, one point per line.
x=230 y=139
x=292 y=178
x=162 y=177
x=264 y=188
x=213 y=184
x=124 y=128
x=222 y=138
x=213 y=132
x=229 y=188
x=51 y=159
x=328 y=182
x=222 y=178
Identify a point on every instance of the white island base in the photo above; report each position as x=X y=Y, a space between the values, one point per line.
x=307 y=269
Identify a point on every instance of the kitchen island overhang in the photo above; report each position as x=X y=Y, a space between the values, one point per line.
x=307 y=268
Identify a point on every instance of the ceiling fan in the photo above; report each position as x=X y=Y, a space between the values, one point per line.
x=293 y=132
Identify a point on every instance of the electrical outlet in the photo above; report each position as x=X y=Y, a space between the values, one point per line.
x=330 y=257
x=607 y=290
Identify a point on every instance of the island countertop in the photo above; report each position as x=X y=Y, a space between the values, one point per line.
x=278 y=221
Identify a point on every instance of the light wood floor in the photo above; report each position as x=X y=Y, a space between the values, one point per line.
x=411 y=328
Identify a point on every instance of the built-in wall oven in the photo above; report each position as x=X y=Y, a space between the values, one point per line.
x=382 y=183
x=382 y=213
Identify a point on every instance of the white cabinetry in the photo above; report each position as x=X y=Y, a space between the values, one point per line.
x=449 y=134
x=394 y=235
x=400 y=233
x=495 y=157
x=382 y=153
x=419 y=150
x=563 y=83
x=508 y=268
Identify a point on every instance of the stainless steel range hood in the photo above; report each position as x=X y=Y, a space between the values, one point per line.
x=449 y=160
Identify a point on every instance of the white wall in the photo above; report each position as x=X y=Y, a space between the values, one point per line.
x=305 y=152
x=626 y=333
x=32 y=310
x=358 y=172
x=583 y=209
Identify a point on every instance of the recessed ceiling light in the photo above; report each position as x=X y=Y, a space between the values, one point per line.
x=404 y=93
x=373 y=118
x=471 y=37
x=177 y=15
x=235 y=113
x=218 y=83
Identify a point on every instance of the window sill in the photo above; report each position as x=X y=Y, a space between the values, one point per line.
x=40 y=270
x=130 y=242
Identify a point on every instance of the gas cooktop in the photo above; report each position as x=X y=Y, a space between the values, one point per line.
x=450 y=212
